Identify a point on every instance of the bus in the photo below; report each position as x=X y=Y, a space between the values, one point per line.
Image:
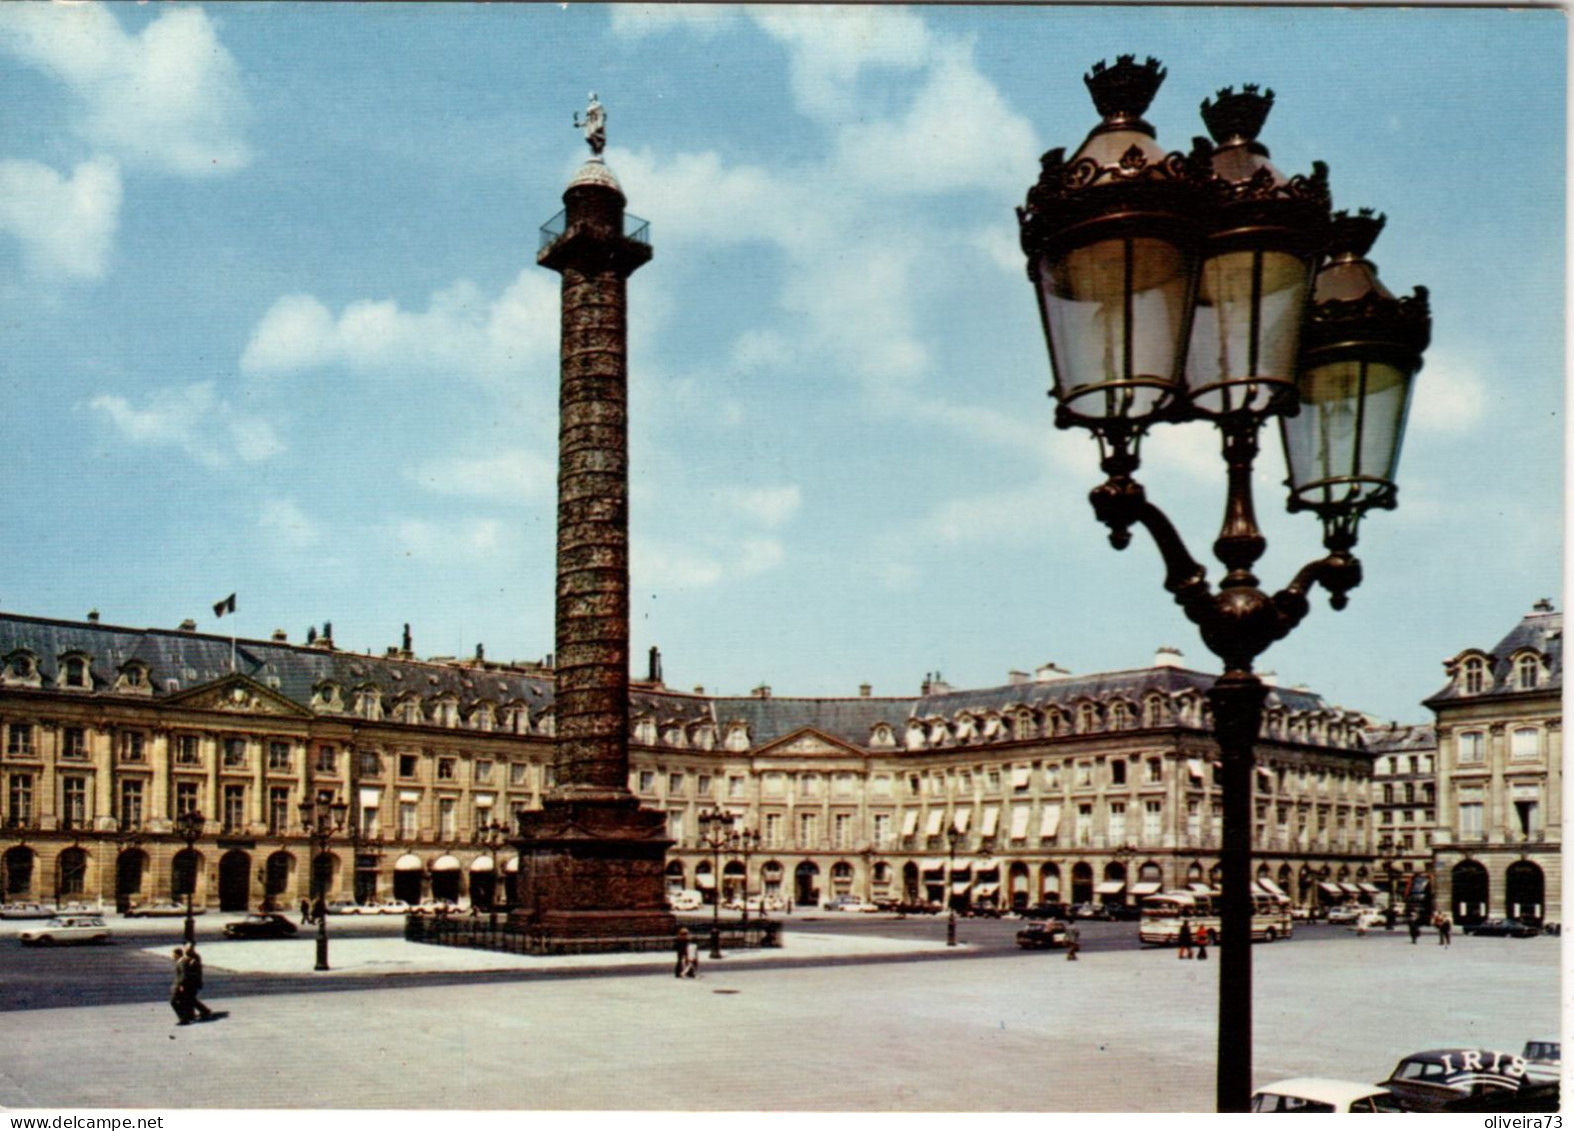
x=1163 y=914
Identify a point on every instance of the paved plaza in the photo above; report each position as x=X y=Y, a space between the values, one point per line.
x=907 y=1028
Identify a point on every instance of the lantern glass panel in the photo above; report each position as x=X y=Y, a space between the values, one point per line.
x=1250 y=305
x=1116 y=313
x=1343 y=447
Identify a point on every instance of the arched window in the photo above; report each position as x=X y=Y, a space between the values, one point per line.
x=1474 y=675
x=1529 y=670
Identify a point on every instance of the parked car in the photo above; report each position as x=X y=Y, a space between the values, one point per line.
x=435 y=907
x=26 y=911
x=67 y=929
x=1502 y=928
x=268 y=925
x=162 y=909
x=1368 y=920
x=1543 y=1060
x=686 y=900
x=1046 y=911
x=1436 y=1079
x=1048 y=934
x=844 y=903
x=1344 y=913
x=1314 y=1094
x=1123 y=912
x=387 y=907
x=343 y=907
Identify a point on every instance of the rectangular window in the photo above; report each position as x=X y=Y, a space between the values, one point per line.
x=1471 y=746
x=21 y=740
x=842 y=785
x=517 y=773
x=133 y=746
x=1194 y=821
x=327 y=760
x=1117 y=822
x=19 y=802
x=1470 y=813
x=914 y=785
x=1155 y=769
x=647 y=781
x=371 y=764
x=131 y=804
x=73 y=798
x=808 y=830
x=675 y=825
x=445 y=769
x=186 y=794
x=1084 y=775
x=1117 y=772
x=409 y=765
x=882 y=830
x=278 y=809
x=1052 y=777
x=1525 y=744
x=809 y=785
x=74 y=744
x=188 y=752
x=1152 y=821
x=773 y=830
x=407 y=812
x=279 y=757
x=992 y=781
x=1084 y=825
x=702 y=786
x=880 y=785
x=370 y=828
x=675 y=785
x=735 y=786
x=447 y=817
x=842 y=830
x=483 y=770
x=234 y=808
x=1529 y=816
x=234 y=753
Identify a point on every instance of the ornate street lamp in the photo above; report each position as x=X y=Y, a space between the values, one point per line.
x=321 y=819
x=953 y=837
x=715 y=832
x=1210 y=286
x=494 y=834
x=745 y=843
x=188 y=826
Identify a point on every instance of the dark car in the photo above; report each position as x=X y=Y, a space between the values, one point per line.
x=268 y=926
x=1439 y=1079
x=1503 y=928
x=1046 y=911
x=1047 y=935
x=1122 y=912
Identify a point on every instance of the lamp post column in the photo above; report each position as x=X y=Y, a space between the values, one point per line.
x=189 y=825
x=951 y=836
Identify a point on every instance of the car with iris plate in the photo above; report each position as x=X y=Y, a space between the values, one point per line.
x=1315 y=1093
x=1454 y=1079
x=66 y=930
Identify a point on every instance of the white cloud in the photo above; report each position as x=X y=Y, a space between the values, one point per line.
x=517 y=474
x=66 y=225
x=654 y=566
x=286 y=525
x=1448 y=395
x=169 y=97
x=740 y=203
x=769 y=506
x=194 y=419
x=460 y=332
x=635 y=21
x=827 y=47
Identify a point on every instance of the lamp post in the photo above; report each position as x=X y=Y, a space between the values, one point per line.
x=188 y=826
x=494 y=834
x=322 y=819
x=1388 y=849
x=745 y=843
x=1124 y=855
x=1209 y=286
x=715 y=831
x=953 y=837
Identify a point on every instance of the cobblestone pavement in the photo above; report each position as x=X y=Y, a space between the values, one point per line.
x=1116 y=1031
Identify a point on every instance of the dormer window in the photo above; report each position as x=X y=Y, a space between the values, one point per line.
x=1473 y=676
x=328 y=698
x=645 y=732
x=74 y=673
x=737 y=737
x=1529 y=672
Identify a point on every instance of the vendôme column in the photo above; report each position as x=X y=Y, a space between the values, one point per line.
x=591 y=860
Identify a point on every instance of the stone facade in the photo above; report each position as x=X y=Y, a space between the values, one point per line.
x=1055 y=783
x=1499 y=833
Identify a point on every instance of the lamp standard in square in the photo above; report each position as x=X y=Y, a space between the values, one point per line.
x=1208 y=286
x=745 y=843
x=188 y=826
x=953 y=837
x=321 y=819
x=715 y=833
x=494 y=835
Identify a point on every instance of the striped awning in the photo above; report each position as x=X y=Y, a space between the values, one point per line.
x=1144 y=889
x=1050 y=824
x=1110 y=887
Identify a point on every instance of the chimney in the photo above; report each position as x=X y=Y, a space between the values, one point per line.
x=480 y=653
x=92 y=616
x=280 y=636
x=188 y=625
x=865 y=690
x=655 y=665
x=1048 y=673
x=311 y=636
x=1167 y=657
x=1544 y=605
x=1016 y=679
x=407 y=649
x=762 y=692
x=699 y=689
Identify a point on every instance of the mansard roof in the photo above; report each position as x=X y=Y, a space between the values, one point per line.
x=1102 y=687
x=1400 y=738
x=1539 y=631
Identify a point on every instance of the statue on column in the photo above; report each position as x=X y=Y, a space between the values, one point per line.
x=594 y=125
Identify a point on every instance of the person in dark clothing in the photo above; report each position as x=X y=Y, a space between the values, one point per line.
x=681 y=947
x=1415 y=929
x=1185 y=940
x=180 y=993
x=193 y=980
x=306 y=911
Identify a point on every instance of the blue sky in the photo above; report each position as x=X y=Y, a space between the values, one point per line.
x=271 y=324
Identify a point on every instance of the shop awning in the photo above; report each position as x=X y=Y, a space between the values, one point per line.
x=934 y=865
x=409 y=862
x=961 y=867
x=1020 y=776
x=1369 y=889
x=1144 y=889
x=910 y=822
x=481 y=864
x=991 y=820
x=1019 y=819
x=1265 y=773
x=705 y=880
x=513 y=864
x=1272 y=887
x=932 y=826
x=1350 y=889
x=1196 y=769
x=1050 y=824
x=445 y=864
x=959 y=887
x=1110 y=887
x=983 y=891
x=1199 y=889
x=1331 y=889
x=964 y=817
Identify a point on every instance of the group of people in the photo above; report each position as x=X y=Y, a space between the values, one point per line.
x=312 y=912
x=188 y=983
x=1188 y=938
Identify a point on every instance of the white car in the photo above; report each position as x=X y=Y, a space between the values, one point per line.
x=1368 y=920
x=1314 y=1093
x=343 y=907
x=67 y=929
x=686 y=900
x=391 y=907
x=1344 y=913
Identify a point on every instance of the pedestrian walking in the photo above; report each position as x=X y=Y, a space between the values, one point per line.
x=193 y=980
x=1445 y=930
x=691 y=959
x=306 y=911
x=1202 y=945
x=319 y=909
x=1073 y=941
x=680 y=946
x=1415 y=929
x=1185 y=940
x=179 y=994
x=1437 y=922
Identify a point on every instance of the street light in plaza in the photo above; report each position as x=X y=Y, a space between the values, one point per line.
x=494 y=834
x=715 y=830
x=1209 y=286
x=1124 y=855
x=953 y=837
x=322 y=819
x=745 y=843
x=188 y=826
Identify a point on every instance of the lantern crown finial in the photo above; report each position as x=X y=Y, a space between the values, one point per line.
x=1353 y=235
x=1122 y=93
x=1233 y=117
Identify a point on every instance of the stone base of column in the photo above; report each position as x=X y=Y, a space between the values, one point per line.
x=592 y=870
